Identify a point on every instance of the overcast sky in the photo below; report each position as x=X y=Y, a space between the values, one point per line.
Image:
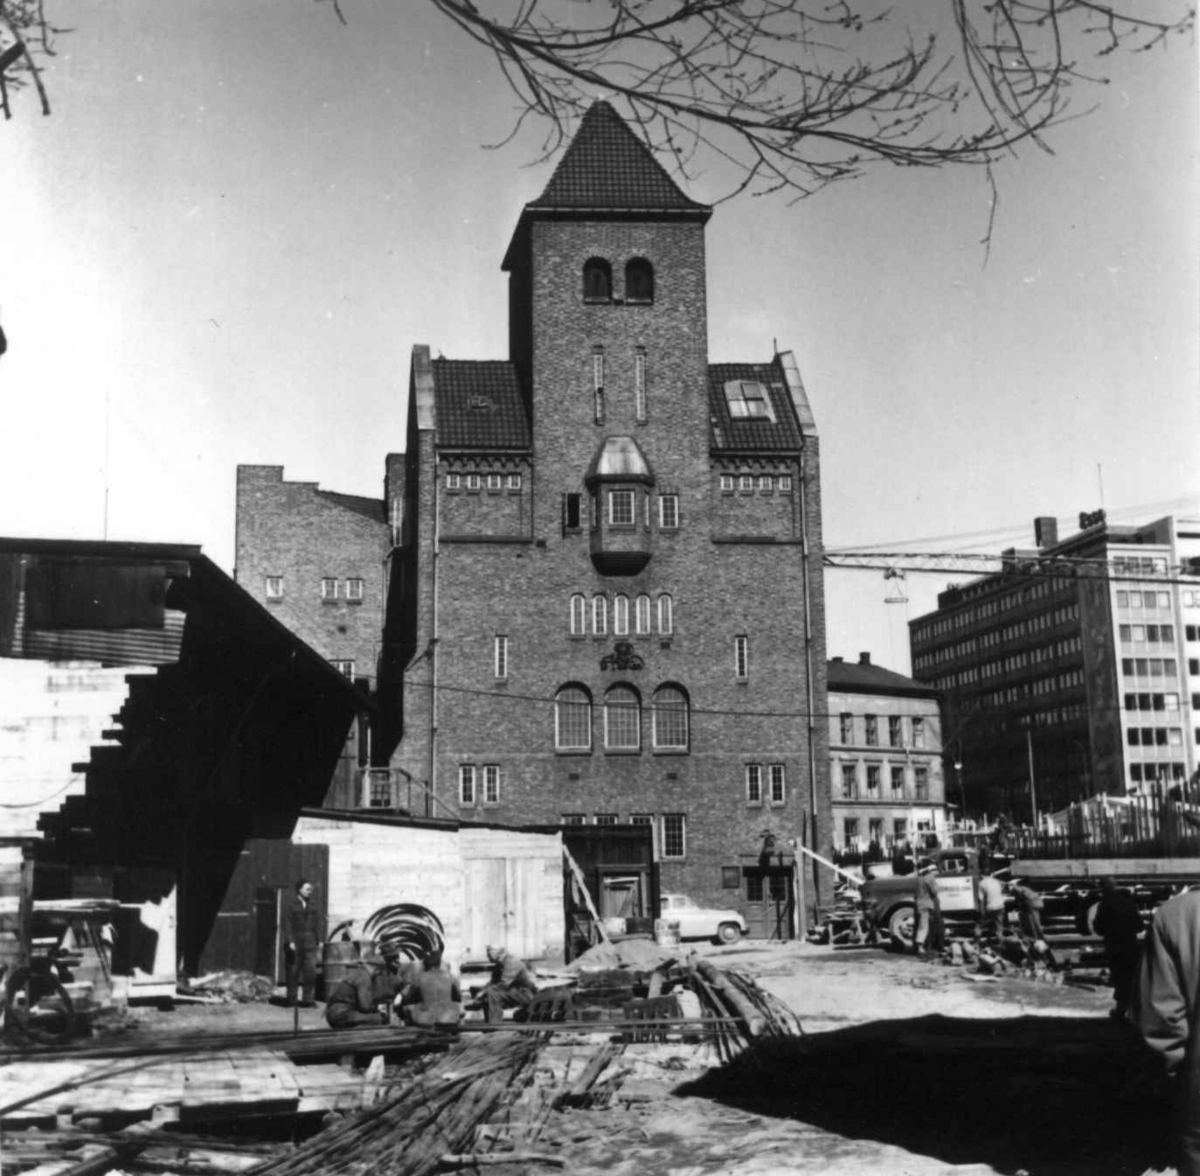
x=223 y=244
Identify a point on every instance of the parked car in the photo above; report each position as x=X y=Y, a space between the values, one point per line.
x=697 y=922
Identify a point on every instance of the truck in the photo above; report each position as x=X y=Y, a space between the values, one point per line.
x=889 y=903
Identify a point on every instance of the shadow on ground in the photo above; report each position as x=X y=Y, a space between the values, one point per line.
x=1051 y=1096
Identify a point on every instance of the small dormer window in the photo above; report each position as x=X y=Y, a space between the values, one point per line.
x=639 y=281
x=748 y=400
x=597 y=280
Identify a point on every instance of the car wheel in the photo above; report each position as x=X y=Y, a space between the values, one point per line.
x=902 y=926
x=728 y=933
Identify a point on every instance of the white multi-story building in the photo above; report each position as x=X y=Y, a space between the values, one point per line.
x=1075 y=670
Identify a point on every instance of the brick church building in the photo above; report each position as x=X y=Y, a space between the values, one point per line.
x=604 y=578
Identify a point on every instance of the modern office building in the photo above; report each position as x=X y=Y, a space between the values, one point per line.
x=1073 y=671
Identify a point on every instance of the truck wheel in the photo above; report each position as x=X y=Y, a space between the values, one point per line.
x=902 y=926
x=728 y=933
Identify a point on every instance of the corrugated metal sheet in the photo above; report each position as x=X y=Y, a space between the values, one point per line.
x=110 y=647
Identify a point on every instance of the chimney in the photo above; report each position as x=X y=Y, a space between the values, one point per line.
x=864 y=658
x=839 y=660
x=1045 y=531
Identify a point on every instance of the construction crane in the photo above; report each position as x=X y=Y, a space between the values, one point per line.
x=1017 y=563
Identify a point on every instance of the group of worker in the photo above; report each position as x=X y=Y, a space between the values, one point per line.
x=382 y=985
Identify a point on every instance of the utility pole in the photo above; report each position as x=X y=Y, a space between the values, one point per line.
x=1032 y=782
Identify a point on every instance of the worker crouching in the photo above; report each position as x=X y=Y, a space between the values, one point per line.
x=365 y=995
x=433 y=997
x=511 y=987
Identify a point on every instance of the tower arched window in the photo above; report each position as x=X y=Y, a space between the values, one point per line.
x=597 y=280
x=621 y=615
x=639 y=281
x=643 y=614
x=670 y=719
x=622 y=719
x=599 y=614
x=578 y=615
x=573 y=719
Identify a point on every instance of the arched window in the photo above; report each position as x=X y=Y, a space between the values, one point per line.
x=622 y=719
x=621 y=615
x=666 y=614
x=578 y=615
x=643 y=614
x=599 y=614
x=573 y=719
x=670 y=719
x=597 y=280
x=639 y=280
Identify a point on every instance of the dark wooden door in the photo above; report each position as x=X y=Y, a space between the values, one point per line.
x=770 y=901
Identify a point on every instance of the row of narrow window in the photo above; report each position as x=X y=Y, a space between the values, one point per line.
x=874 y=783
x=598 y=281
x=621 y=719
x=331 y=588
x=762 y=483
x=895 y=729
x=644 y=611
x=473 y=482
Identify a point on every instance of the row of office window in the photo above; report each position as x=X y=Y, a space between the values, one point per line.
x=1191 y=632
x=475 y=483
x=969 y=618
x=1152 y=702
x=1155 y=773
x=1054 y=649
x=1190 y=599
x=897 y=784
x=1149 y=667
x=847 y=728
x=756 y=483
x=1146 y=633
x=1143 y=600
x=621 y=715
x=1154 y=736
x=1139 y=565
x=600 y=611
x=330 y=588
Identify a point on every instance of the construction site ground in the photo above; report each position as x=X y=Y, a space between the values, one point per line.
x=905 y=1067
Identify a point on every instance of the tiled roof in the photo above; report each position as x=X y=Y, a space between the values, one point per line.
x=370 y=508
x=608 y=168
x=783 y=433
x=479 y=405
x=857 y=678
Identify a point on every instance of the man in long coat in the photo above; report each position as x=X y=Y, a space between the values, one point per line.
x=301 y=938
x=1167 y=1013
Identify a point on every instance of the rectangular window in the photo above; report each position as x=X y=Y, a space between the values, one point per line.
x=572 y=819
x=778 y=784
x=765 y=483
x=727 y=484
x=501 y=656
x=849 y=782
x=453 y=481
x=918 y=732
x=746 y=483
x=345 y=668
x=895 y=731
x=785 y=483
x=741 y=658
x=897 y=783
x=850 y=832
x=274 y=587
x=606 y=818
x=514 y=481
x=641 y=819
x=846 y=727
x=473 y=482
x=572 y=512
x=921 y=783
x=620 y=508
x=466 y=784
x=639 y=385
x=731 y=878
x=668 y=511
x=495 y=483
x=900 y=828
x=873 y=773
x=491 y=783
x=875 y=830
x=354 y=589
x=674 y=835
x=329 y=588
x=871 y=723
x=754 y=784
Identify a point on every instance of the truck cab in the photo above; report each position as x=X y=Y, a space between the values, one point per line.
x=890 y=903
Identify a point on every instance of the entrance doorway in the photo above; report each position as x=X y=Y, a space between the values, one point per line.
x=770 y=900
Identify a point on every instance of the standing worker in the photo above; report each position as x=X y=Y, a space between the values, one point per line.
x=1167 y=1012
x=991 y=907
x=301 y=938
x=365 y=995
x=1119 y=922
x=511 y=985
x=927 y=932
x=1029 y=910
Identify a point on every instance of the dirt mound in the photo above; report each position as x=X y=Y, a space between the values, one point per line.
x=641 y=954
